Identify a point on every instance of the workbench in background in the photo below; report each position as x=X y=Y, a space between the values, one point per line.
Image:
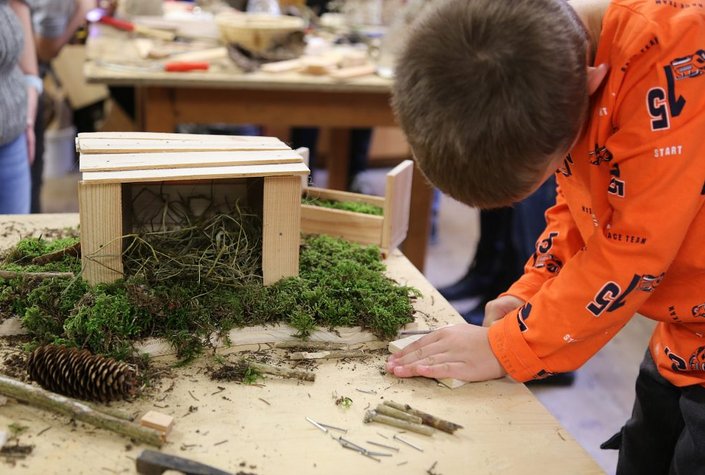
x=263 y=430
x=225 y=95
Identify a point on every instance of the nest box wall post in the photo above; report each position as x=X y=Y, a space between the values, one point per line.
x=280 y=227
x=397 y=203
x=101 y=231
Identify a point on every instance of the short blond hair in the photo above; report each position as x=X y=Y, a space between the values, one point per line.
x=488 y=91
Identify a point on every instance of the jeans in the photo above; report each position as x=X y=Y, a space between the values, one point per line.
x=15 y=181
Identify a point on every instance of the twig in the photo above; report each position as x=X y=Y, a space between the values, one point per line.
x=43 y=431
x=397 y=414
x=194 y=397
x=372 y=416
x=8 y=274
x=74 y=251
x=283 y=372
x=220 y=390
x=47 y=400
x=264 y=401
x=116 y=413
x=428 y=419
x=403 y=333
x=311 y=345
x=302 y=355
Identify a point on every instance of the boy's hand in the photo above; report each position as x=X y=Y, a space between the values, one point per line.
x=459 y=351
x=499 y=307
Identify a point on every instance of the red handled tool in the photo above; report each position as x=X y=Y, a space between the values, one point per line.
x=96 y=15
x=169 y=66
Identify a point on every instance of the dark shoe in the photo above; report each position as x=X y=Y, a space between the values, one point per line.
x=470 y=285
x=558 y=379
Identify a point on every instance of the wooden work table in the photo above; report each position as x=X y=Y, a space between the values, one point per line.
x=262 y=429
x=226 y=95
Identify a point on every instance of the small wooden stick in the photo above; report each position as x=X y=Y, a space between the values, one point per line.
x=283 y=372
x=428 y=419
x=49 y=401
x=320 y=355
x=311 y=345
x=74 y=251
x=397 y=414
x=8 y=274
x=372 y=416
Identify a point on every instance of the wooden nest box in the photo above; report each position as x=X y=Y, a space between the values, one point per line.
x=116 y=167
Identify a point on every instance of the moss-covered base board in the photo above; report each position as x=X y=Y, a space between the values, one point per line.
x=249 y=337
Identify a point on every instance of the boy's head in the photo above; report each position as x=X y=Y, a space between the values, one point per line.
x=490 y=93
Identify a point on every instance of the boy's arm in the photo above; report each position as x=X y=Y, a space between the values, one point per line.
x=556 y=245
x=652 y=201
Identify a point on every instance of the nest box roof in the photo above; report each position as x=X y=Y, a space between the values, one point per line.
x=128 y=157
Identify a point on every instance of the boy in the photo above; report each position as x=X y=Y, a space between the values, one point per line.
x=492 y=96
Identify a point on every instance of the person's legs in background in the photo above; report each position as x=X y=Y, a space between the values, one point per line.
x=37 y=168
x=529 y=220
x=507 y=240
x=359 y=150
x=15 y=180
x=359 y=147
x=494 y=250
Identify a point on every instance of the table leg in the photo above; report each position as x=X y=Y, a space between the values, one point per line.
x=338 y=160
x=156 y=109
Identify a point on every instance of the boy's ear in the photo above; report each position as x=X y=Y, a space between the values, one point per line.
x=595 y=76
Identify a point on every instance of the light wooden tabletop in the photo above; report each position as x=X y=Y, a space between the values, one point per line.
x=263 y=430
x=113 y=59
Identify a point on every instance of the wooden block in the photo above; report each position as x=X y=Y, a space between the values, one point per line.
x=397 y=204
x=158 y=160
x=158 y=421
x=204 y=173
x=100 y=207
x=402 y=343
x=281 y=226
x=398 y=345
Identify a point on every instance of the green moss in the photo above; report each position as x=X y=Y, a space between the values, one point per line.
x=354 y=206
x=20 y=257
x=340 y=284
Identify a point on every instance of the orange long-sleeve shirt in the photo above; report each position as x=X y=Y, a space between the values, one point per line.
x=627 y=233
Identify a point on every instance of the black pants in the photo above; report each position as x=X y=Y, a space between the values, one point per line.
x=666 y=432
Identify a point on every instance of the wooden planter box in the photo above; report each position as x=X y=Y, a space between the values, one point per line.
x=386 y=231
x=114 y=165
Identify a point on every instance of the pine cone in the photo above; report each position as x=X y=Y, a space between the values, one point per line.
x=80 y=374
